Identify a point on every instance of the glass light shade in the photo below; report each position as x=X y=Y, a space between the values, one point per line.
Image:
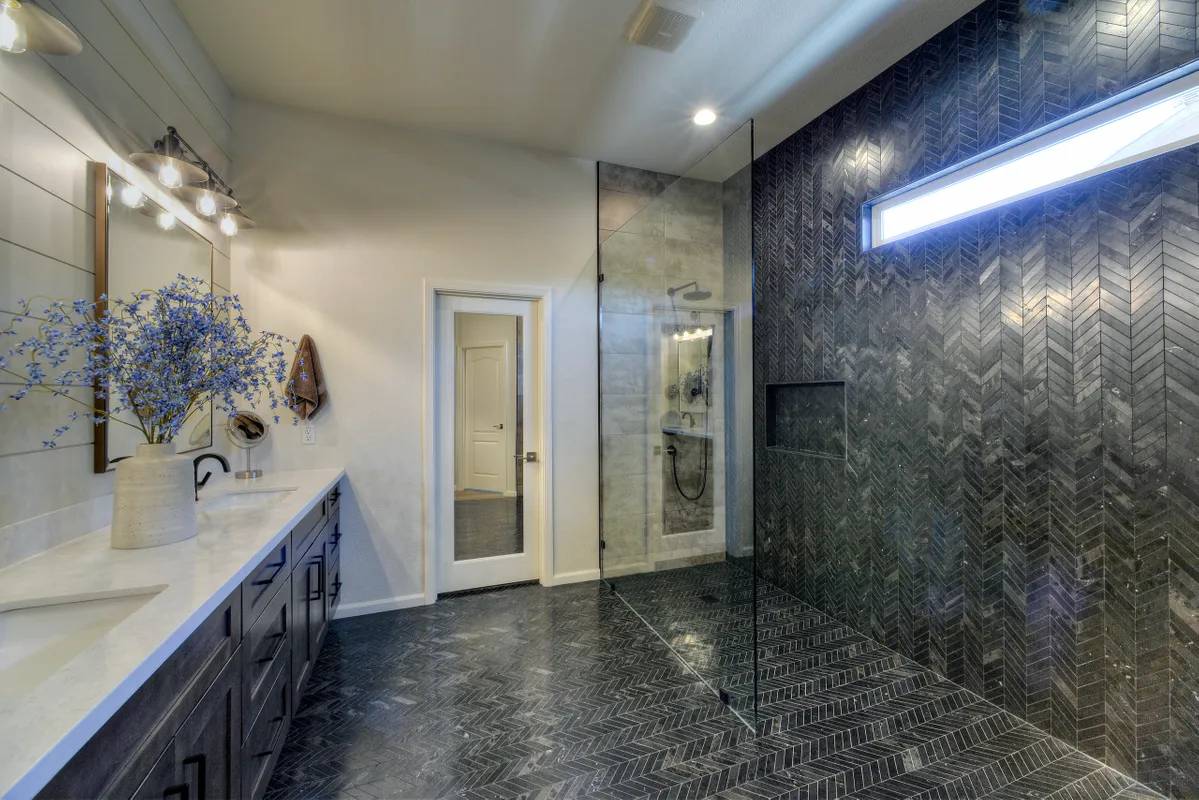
x=166 y=220
x=705 y=116
x=228 y=225
x=13 y=38
x=131 y=196
x=1144 y=122
x=169 y=176
x=206 y=204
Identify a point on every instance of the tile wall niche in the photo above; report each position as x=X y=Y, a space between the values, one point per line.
x=1019 y=507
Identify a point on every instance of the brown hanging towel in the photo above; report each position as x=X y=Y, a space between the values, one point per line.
x=306 y=384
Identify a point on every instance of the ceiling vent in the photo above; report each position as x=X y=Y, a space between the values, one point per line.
x=662 y=24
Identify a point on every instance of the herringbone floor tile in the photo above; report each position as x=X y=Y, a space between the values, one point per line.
x=565 y=692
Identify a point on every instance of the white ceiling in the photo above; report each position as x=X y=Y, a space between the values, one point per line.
x=558 y=75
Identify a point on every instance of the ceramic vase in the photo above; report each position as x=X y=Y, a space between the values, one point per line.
x=153 y=501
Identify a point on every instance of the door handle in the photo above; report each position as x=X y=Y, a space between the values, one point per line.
x=499 y=427
x=199 y=766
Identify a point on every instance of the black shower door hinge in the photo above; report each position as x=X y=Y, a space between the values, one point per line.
x=601 y=277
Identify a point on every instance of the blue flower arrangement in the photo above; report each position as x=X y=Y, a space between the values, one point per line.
x=155 y=356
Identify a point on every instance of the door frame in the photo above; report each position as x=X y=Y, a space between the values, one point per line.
x=542 y=297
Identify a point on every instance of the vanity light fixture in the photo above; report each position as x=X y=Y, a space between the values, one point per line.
x=703 y=117
x=209 y=199
x=24 y=26
x=180 y=168
x=166 y=220
x=240 y=219
x=233 y=221
x=168 y=162
x=693 y=334
x=1149 y=119
x=131 y=196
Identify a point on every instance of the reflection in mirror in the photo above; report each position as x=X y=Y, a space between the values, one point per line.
x=144 y=247
x=488 y=435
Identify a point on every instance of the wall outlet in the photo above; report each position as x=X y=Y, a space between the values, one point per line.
x=307 y=432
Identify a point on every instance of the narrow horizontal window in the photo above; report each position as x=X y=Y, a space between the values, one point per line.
x=1149 y=119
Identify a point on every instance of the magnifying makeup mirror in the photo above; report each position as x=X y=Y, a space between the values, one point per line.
x=247 y=430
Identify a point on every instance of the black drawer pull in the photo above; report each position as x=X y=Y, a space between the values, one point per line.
x=268 y=581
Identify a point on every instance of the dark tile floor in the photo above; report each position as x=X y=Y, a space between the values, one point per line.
x=554 y=693
x=493 y=526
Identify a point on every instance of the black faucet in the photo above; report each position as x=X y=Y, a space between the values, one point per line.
x=196 y=469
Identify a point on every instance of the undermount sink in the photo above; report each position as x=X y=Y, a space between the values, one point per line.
x=40 y=634
x=245 y=500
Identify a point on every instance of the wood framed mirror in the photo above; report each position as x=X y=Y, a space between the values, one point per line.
x=137 y=250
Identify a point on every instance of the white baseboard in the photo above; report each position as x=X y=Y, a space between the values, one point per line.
x=574 y=577
x=346 y=610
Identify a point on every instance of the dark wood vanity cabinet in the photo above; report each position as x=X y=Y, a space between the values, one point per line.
x=203 y=760
x=210 y=723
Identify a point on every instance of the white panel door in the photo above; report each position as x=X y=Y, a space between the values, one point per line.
x=488 y=540
x=486 y=395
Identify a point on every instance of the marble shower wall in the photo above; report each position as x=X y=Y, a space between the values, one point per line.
x=1019 y=508
x=656 y=231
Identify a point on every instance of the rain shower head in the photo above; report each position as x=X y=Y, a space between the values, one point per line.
x=697 y=293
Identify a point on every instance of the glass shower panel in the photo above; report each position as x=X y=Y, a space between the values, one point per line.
x=675 y=408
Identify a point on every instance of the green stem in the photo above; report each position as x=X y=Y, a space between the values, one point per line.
x=62 y=393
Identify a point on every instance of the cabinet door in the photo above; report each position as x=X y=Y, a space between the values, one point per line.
x=207 y=746
x=308 y=607
x=162 y=781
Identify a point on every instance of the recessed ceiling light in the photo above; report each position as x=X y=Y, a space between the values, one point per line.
x=705 y=116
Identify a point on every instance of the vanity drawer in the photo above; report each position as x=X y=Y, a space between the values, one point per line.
x=334 y=499
x=117 y=759
x=267 y=643
x=333 y=537
x=303 y=534
x=260 y=587
x=333 y=584
x=264 y=741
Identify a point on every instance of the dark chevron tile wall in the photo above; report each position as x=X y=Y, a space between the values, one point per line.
x=1020 y=505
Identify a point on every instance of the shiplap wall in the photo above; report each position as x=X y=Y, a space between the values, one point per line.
x=141 y=69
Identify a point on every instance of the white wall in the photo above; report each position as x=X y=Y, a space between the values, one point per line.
x=141 y=69
x=353 y=217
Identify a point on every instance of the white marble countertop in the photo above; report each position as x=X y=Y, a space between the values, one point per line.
x=43 y=725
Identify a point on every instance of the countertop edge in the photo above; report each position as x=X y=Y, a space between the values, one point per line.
x=60 y=753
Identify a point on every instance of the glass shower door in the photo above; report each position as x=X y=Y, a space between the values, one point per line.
x=675 y=409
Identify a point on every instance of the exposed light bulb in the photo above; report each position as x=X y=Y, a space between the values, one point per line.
x=132 y=196
x=166 y=220
x=705 y=116
x=228 y=225
x=206 y=205
x=169 y=176
x=12 y=32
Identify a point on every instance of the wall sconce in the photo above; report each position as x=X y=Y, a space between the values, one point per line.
x=24 y=26
x=178 y=167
